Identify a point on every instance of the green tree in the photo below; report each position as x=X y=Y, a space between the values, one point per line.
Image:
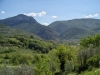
x=93 y=41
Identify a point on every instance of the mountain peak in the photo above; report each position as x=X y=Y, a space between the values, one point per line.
x=19 y=19
x=24 y=17
x=21 y=15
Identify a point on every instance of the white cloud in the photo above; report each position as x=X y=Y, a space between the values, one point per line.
x=91 y=16
x=2 y=12
x=96 y=15
x=54 y=16
x=31 y=14
x=46 y=24
x=40 y=14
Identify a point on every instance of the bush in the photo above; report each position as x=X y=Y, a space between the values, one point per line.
x=16 y=70
x=94 y=61
x=90 y=68
x=21 y=59
x=24 y=70
x=6 y=71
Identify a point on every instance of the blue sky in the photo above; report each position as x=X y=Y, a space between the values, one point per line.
x=48 y=11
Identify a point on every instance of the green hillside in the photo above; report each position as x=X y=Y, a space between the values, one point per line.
x=75 y=33
x=26 y=55
x=81 y=23
x=5 y=30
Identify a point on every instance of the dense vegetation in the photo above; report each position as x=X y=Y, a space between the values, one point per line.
x=27 y=55
x=5 y=30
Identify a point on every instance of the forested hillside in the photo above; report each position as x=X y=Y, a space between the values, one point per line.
x=81 y=23
x=6 y=30
x=27 y=55
x=76 y=28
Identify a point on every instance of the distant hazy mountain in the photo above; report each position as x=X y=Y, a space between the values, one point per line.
x=31 y=25
x=62 y=26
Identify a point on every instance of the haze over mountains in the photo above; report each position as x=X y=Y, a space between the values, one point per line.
x=71 y=29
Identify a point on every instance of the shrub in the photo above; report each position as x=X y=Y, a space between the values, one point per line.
x=24 y=70
x=6 y=71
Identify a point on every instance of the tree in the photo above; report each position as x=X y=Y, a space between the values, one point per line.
x=91 y=41
x=65 y=55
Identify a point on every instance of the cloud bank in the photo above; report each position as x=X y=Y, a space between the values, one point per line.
x=40 y=14
x=91 y=16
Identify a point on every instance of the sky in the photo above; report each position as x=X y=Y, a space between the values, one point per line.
x=48 y=11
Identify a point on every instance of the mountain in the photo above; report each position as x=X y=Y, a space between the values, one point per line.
x=62 y=26
x=5 y=30
x=75 y=33
x=9 y=31
x=71 y=29
x=31 y=25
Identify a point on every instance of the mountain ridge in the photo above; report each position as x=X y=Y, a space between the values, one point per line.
x=29 y=24
x=70 y=29
x=82 y=23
